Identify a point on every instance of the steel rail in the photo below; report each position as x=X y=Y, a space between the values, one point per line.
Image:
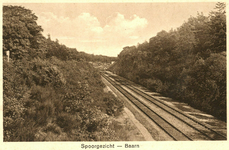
x=149 y=98
x=148 y=112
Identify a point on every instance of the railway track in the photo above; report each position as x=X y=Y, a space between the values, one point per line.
x=202 y=131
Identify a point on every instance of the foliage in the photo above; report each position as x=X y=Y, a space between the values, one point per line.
x=21 y=34
x=49 y=93
x=187 y=64
x=94 y=58
x=64 y=53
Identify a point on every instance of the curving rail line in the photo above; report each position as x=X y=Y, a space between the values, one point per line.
x=171 y=130
x=165 y=125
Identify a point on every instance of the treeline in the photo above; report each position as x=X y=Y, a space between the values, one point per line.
x=187 y=64
x=96 y=58
x=22 y=37
x=64 y=53
x=49 y=92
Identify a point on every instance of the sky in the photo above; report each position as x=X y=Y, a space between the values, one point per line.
x=105 y=28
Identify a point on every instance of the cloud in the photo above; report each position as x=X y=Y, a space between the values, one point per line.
x=118 y=23
x=84 y=24
x=85 y=31
x=89 y=22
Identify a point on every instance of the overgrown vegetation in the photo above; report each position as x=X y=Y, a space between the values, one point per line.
x=187 y=64
x=49 y=92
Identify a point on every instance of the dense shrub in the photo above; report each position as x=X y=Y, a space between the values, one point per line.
x=207 y=81
x=50 y=110
x=113 y=106
x=49 y=92
x=187 y=64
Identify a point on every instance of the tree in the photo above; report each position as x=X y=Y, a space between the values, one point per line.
x=21 y=33
x=187 y=64
x=217 y=28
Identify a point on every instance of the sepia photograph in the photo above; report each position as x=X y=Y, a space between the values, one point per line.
x=114 y=75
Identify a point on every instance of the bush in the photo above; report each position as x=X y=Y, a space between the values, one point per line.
x=49 y=91
x=187 y=64
x=113 y=105
x=207 y=81
x=67 y=122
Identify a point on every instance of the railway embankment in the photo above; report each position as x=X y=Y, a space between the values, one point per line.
x=178 y=120
x=133 y=129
